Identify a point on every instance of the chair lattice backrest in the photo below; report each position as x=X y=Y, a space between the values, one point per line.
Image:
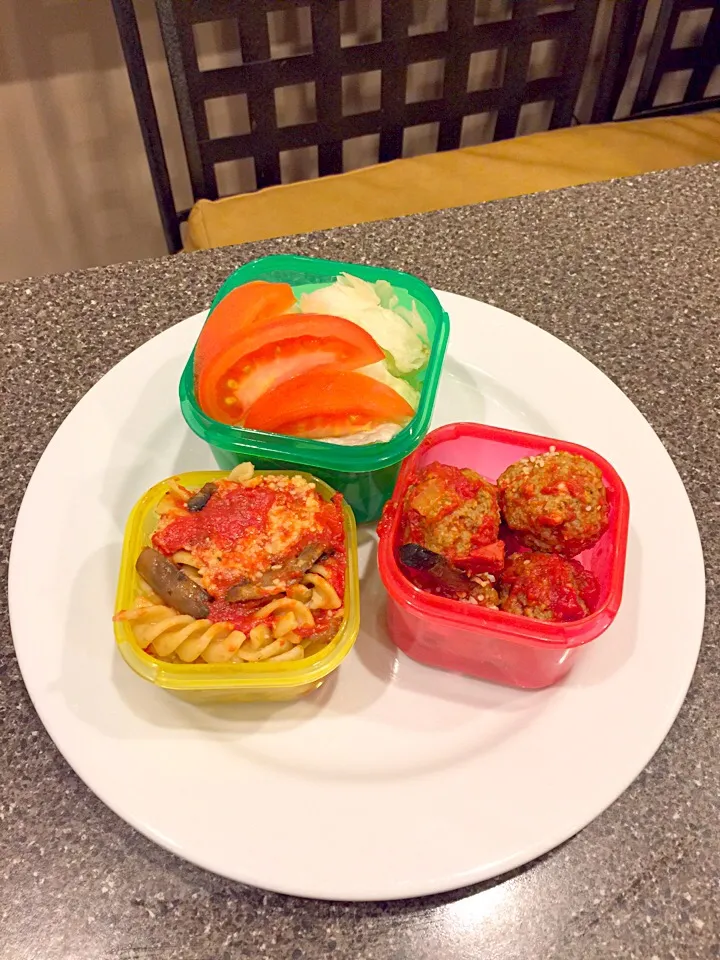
x=470 y=27
x=694 y=60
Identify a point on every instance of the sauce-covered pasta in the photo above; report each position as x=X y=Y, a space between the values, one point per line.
x=248 y=568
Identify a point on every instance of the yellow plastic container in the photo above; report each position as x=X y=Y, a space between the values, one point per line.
x=219 y=682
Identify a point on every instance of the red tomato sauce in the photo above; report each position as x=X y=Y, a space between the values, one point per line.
x=225 y=519
x=555 y=584
x=232 y=528
x=330 y=518
x=240 y=615
x=335 y=566
x=466 y=487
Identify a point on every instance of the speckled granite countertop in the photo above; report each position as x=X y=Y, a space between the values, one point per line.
x=629 y=274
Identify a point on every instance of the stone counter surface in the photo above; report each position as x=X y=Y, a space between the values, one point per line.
x=628 y=273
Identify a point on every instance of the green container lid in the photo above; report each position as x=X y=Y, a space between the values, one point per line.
x=305 y=274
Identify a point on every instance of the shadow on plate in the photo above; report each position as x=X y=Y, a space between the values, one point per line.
x=474 y=392
x=193 y=454
x=133 y=707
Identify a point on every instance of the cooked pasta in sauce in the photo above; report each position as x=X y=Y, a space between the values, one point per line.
x=248 y=568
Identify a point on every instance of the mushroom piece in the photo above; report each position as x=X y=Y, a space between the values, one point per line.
x=277 y=581
x=199 y=500
x=172 y=586
x=435 y=569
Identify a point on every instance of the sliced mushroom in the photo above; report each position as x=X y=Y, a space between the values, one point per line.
x=277 y=581
x=429 y=569
x=198 y=500
x=171 y=585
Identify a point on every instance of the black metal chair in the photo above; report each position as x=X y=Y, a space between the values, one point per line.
x=570 y=23
x=698 y=61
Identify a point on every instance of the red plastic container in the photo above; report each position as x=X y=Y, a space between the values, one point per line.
x=485 y=643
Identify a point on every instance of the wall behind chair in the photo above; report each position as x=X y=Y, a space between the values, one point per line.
x=76 y=188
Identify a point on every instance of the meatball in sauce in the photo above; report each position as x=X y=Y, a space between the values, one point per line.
x=548 y=587
x=555 y=502
x=454 y=512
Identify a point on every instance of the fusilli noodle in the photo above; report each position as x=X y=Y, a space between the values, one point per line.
x=285 y=626
x=165 y=633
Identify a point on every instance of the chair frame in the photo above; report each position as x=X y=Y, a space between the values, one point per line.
x=662 y=59
x=260 y=75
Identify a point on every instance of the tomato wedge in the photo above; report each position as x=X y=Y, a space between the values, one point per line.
x=238 y=309
x=326 y=403
x=487 y=559
x=273 y=351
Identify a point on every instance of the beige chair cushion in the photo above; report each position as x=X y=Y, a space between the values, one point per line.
x=542 y=161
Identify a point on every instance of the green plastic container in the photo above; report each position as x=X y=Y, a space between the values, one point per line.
x=365 y=475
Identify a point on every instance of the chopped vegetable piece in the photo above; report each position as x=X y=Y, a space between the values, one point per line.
x=171 y=584
x=419 y=558
x=238 y=309
x=379 y=371
x=431 y=571
x=375 y=307
x=487 y=559
x=274 y=351
x=326 y=403
x=200 y=499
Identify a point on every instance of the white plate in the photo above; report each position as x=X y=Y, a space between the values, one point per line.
x=393 y=779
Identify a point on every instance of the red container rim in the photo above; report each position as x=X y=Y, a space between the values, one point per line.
x=510 y=626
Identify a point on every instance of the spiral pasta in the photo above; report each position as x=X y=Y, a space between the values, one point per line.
x=258 y=593
x=242 y=473
x=168 y=635
x=165 y=632
x=324 y=596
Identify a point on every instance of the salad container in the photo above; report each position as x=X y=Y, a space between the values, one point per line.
x=491 y=644
x=365 y=475
x=208 y=682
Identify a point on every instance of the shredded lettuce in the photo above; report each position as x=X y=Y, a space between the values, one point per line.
x=375 y=307
x=379 y=371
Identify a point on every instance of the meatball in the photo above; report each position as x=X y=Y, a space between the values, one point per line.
x=547 y=587
x=555 y=502
x=485 y=594
x=455 y=513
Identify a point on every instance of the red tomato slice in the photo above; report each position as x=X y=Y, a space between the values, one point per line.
x=272 y=352
x=487 y=559
x=327 y=402
x=236 y=311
